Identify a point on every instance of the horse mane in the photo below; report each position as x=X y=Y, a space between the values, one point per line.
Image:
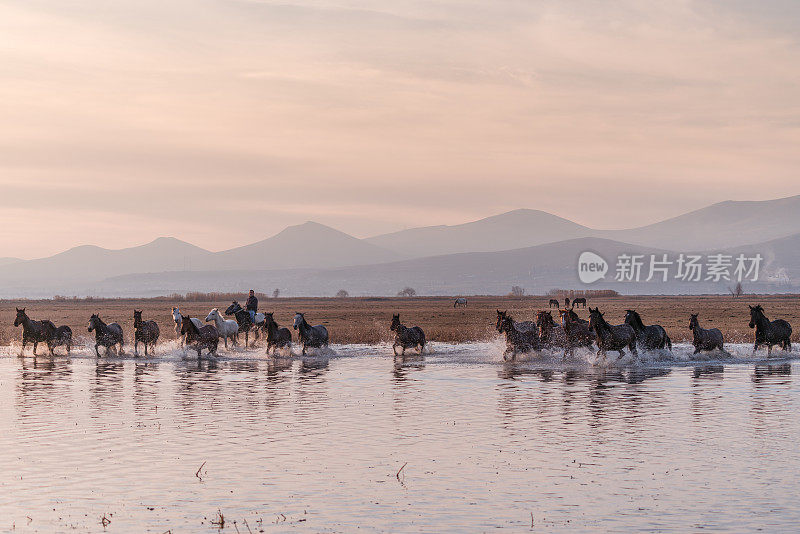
x=186 y=319
x=600 y=319
x=636 y=318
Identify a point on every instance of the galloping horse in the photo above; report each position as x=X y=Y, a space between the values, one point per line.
x=57 y=336
x=522 y=326
x=206 y=337
x=105 y=335
x=227 y=328
x=777 y=332
x=611 y=337
x=516 y=340
x=460 y=301
x=553 y=303
x=245 y=324
x=310 y=336
x=145 y=331
x=550 y=333
x=576 y=330
x=406 y=337
x=647 y=337
x=578 y=301
x=705 y=339
x=32 y=331
x=277 y=337
x=178 y=318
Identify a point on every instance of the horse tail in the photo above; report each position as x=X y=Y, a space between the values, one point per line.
x=669 y=342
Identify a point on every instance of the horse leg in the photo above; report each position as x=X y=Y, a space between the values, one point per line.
x=394 y=348
x=121 y=350
x=35 y=344
x=136 y=348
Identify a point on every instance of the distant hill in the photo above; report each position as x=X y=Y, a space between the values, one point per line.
x=9 y=261
x=306 y=245
x=723 y=225
x=88 y=263
x=515 y=229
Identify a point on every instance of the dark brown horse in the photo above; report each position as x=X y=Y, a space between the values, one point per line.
x=576 y=330
x=650 y=337
x=769 y=333
x=578 y=301
x=145 y=331
x=105 y=335
x=550 y=334
x=277 y=337
x=522 y=326
x=553 y=303
x=206 y=337
x=57 y=336
x=406 y=337
x=611 y=337
x=32 y=331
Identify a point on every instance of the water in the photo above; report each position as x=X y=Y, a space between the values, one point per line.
x=316 y=445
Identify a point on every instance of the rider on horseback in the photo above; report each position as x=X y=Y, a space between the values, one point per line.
x=252 y=306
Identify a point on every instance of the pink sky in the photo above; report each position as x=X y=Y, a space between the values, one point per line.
x=222 y=121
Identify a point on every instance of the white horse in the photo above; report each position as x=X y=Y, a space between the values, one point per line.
x=226 y=328
x=177 y=317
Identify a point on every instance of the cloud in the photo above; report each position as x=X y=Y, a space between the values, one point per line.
x=405 y=113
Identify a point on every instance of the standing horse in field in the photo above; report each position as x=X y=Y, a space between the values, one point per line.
x=550 y=334
x=777 y=332
x=178 y=318
x=516 y=340
x=32 y=331
x=522 y=326
x=146 y=332
x=57 y=336
x=105 y=335
x=227 y=328
x=205 y=337
x=705 y=340
x=554 y=303
x=576 y=330
x=242 y=317
x=611 y=337
x=647 y=337
x=460 y=301
x=406 y=337
x=578 y=301
x=277 y=337
x=310 y=336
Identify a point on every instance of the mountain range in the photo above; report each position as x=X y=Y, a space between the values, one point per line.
x=530 y=248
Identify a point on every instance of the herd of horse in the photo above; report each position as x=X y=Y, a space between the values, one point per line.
x=568 y=333
x=572 y=332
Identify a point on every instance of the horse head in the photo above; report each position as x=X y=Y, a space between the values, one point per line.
x=395 y=322
x=754 y=313
x=21 y=316
x=693 y=322
x=94 y=322
x=501 y=315
x=233 y=308
x=137 y=318
x=298 y=320
x=212 y=315
x=595 y=319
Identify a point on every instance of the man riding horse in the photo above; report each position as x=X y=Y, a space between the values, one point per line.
x=252 y=306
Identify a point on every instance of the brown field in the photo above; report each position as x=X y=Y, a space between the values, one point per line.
x=366 y=320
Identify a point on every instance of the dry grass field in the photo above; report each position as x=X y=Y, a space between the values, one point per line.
x=366 y=320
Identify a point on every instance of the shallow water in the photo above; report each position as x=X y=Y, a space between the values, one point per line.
x=671 y=443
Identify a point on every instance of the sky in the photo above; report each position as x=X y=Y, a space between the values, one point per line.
x=220 y=122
